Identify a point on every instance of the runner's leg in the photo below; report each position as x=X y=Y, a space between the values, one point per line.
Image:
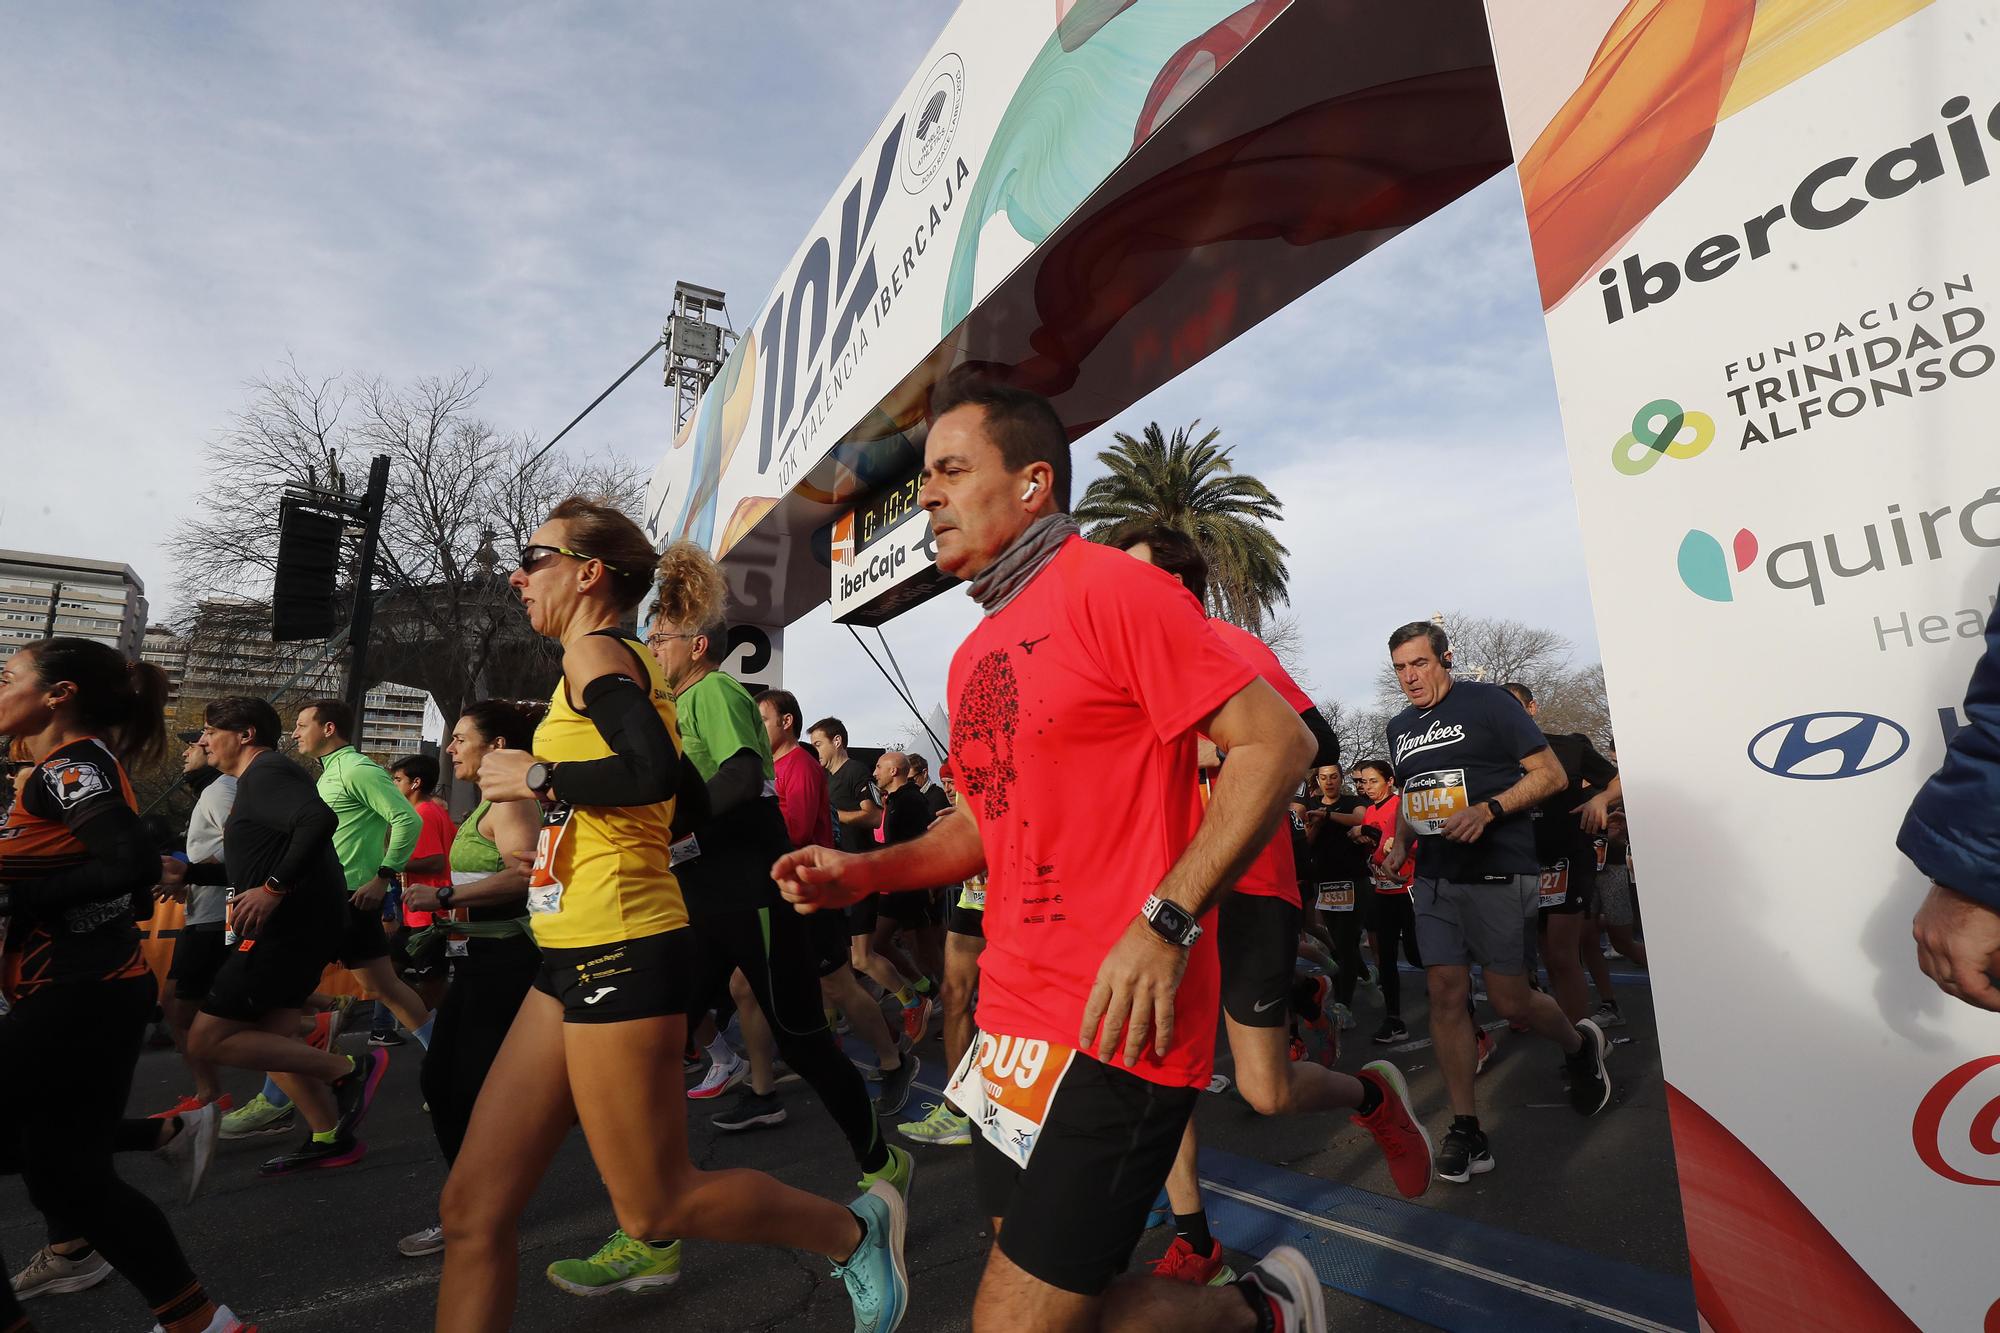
x=961 y=979
x=843 y=990
x=1450 y=987
x=379 y=976
x=521 y=1118
x=306 y=1075
x=1562 y=956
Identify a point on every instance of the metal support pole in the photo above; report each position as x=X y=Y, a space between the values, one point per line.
x=362 y=619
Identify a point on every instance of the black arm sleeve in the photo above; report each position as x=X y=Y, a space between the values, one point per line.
x=739 y=781
x=643 y=767
x=122 y=862
x=690 y=802
x=208 y=872
x=1329 y=744
x=293 y=802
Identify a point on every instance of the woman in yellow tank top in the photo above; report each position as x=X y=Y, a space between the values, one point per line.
x=599 y=1037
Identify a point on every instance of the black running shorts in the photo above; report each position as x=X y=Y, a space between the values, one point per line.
x=283 y=964
x=362 y=939
x=861 y=916
x=1258 y=940
x=962 y=920
x=915 y=909
x=1572 y=880
x=1074 y=1214
x=828 y=932
x=650 y=977
x=777 y=954
x=199 y=954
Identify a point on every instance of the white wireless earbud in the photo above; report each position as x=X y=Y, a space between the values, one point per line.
x=1033 y=486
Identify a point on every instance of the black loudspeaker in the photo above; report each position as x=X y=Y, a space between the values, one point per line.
x=302 y=593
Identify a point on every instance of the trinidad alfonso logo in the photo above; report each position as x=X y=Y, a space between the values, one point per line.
x=1705 y=569
x=1661 y=429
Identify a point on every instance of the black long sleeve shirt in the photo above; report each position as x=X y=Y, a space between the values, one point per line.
x=278 y=829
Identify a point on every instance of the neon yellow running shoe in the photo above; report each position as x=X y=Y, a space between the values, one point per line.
x=941 y=1128
x=622 y=1264
x=897 y=1174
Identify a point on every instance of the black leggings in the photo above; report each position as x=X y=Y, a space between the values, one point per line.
x=487 y=987
x=1395 y=927
x=774 y=950
x=1345 y=927
x=78 y=1042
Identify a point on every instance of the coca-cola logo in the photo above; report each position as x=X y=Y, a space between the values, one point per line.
x=1957 y=1127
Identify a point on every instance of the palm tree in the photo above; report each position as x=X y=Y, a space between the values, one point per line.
x=1191 y=486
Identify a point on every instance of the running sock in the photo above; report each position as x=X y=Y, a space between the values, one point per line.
x=1193 y=1228
x=189 y=1312
x=1371 y=1097
x=1585 y=1053
x=274 y=1094
x=876 y=1160
x=1260 y=1305
x=1468 y=1123
x=325 y=1135
x=660 y=1244
x=423 y=1034
x=905 y=996
x=923 y=986
x=721 y=1052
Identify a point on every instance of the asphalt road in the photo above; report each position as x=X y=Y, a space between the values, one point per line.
x=316 y=1254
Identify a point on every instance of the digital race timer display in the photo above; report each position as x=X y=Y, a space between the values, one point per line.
x=885 y=511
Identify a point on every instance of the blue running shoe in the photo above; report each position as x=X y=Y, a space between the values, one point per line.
x=877 y=1282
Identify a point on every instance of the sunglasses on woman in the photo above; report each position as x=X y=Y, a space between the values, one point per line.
x=534 y=557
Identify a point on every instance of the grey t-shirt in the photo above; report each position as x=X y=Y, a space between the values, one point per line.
x=207 y=902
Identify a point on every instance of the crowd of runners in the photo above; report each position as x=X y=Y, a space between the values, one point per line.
x=672 y=895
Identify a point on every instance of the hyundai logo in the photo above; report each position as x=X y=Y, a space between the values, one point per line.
x=1815 y=747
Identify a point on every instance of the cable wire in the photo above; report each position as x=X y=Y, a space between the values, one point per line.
x=908 y=702
x=593 y=404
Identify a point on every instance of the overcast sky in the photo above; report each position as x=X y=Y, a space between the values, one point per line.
x=197 y=191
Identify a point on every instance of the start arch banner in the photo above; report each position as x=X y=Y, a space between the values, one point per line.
x=1767 y=234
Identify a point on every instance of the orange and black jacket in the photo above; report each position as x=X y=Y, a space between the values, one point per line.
x=75 y=864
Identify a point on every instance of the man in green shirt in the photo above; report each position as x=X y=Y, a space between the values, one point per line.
x=376 y=833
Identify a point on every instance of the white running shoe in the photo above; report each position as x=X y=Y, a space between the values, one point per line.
x=1607 y=1017
x=1287 y=1281
x=719 y=1079
x=193 y=1148
x=420 y=1243
x=52 y=1274
x=223 y=1322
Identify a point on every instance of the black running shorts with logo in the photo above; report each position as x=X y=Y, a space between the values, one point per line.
x=828 y=932
x=861 y=916
x=1074 y=1214
x=1257 y=937
x=650 y=977
x=363 y=939
x=283 y=964
x=1484 y=921
x=199 y=954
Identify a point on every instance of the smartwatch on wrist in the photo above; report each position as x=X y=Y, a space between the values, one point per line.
x=273 y=887
x=541 y=777
x=1494 y=808
x=1170 y=922
x=445 y=894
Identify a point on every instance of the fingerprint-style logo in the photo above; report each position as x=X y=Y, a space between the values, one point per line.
x=1705 y=569
x=1957 y=1126
x=1661 y=429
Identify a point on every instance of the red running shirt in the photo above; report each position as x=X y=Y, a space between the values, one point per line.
x=1275 y=872
x=801 y=782
x=433 y=839
x=1073 y=716
x=1382 y=816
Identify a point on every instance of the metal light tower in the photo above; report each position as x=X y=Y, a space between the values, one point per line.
x=697 y=345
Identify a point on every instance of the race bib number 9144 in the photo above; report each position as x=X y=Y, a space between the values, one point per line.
x=1429 y=799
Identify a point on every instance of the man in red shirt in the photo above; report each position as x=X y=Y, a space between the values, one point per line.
x=1257 y=926
x=1075 y=708
x=416 y=776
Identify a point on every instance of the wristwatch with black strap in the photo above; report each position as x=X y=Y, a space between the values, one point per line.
x=541 y=778
x=1494 y=808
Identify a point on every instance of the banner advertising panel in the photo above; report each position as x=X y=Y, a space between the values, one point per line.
x=1768 y=241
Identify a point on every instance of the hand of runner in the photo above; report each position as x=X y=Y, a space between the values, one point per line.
x=420 y=898
x=1958 y=946
x=369 y=896
x=1594 y=813
x=170 y=893
x=173 y=872
x=1394 y=856
x=249 y=911
x=812 y=878
x=1464 y=826
x=503 y=775
x=1134 y=995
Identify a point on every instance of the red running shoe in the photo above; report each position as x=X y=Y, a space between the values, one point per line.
x=1484 y=1042
x=1402 y=1140
x=189 y=1104
x=1181 y=1264
x=917 y=1019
